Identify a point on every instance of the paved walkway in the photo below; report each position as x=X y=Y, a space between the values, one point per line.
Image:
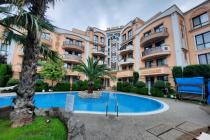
x=181 y=119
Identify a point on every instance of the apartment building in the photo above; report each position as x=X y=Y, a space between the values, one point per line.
x=152 y=48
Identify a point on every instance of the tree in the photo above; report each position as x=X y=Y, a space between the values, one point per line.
x=3 y=59
x=93 y=71
x=135 y=78
x=25 y=25
x=53 y=71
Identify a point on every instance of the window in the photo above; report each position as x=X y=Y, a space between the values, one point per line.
x=160 y=43
x=130 y=67
x=147 y=33
x=3 y=47
x=108 y=51
x=161 y=62
x=45 y=36
x=96 y=38
x=148 y=64
x=200 y=20
x=124 y=37
x=162 y=78
x=204 y=58
x=102 y=40
x=108 y=42
x=159 y=28
x=130 y=33
x=78 y=43
x=147 y=47
x=68 y=41
x=203 y=40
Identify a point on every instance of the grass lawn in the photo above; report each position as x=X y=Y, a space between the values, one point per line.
x=38 y=130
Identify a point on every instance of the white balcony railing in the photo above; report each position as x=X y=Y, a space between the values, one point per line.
x=155 y=50
x=126 y=61
x=72 y=57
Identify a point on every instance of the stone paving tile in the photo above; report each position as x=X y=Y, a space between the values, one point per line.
x=173 y=134
x=159 y=129
x=189 y=126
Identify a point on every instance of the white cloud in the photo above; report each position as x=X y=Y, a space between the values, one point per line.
x=106 y=13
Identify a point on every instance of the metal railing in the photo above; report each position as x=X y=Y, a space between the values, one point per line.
x=155 y=50
x=116 y=104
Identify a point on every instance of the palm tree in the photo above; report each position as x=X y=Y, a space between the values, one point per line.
x=24 y=22
x=93 y=71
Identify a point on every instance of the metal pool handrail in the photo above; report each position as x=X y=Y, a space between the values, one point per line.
x=116 y=105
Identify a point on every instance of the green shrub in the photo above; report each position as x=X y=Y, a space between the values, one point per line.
x=119 y=86
x=5 y=74
x=197 y=70
x=159 y=85
x=177 y=72
x=135 y=78
x=84 y=85
x=41 y=85
x=75 y=87
x=12 y=82
x=62 y=86
x=97 y=84
x=140 y=84
x=156 y=92
x=142 y=91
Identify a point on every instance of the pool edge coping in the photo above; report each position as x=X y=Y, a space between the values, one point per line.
x=163 y=109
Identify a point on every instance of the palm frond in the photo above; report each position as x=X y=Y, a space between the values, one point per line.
x=46 y=52
x=10 y=35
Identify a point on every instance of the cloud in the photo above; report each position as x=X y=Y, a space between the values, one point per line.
x=80 y=14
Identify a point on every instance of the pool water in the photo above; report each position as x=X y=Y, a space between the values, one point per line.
x=127 y=104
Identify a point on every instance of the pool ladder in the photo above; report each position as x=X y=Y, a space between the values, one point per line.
x=111 y=95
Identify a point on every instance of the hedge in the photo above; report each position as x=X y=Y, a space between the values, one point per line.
x=192 y=71
x=41 y=85
x=156 y=92
x=5 y=74
x=12 y=82
x=62 y=86
x=83 y=85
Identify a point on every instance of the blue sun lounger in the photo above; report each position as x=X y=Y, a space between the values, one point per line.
x=193 y=85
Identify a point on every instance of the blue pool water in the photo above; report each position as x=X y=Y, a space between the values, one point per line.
x=126 y=103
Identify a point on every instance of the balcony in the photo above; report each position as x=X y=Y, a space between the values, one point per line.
x=154 y=36
x=127 y=49
x=124 y=73
x=126 y=61
x=71 y=73
x=99 y=52
x=47 y=41
x=155 y=52
x=73 y=46
x=127 y=40
x=72 y=58
x=162 y=70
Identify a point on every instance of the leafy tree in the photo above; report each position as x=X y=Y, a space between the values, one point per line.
x=53 y=71
x=25 y=25
x=93 y=71
x=3 y=59
x=135 y=78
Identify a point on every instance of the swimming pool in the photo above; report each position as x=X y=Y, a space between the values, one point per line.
x=128 y=104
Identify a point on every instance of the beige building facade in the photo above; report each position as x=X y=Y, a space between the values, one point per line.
x=151 y=48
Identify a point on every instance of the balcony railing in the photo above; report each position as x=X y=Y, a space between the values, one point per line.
x=126 y=49
x=155 y=35
x=155 y=51
x=126 y=61
x=72 y=45
x=156 y=70
x=70 y=57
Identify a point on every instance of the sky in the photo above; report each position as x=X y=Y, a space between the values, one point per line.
x=102 y=14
